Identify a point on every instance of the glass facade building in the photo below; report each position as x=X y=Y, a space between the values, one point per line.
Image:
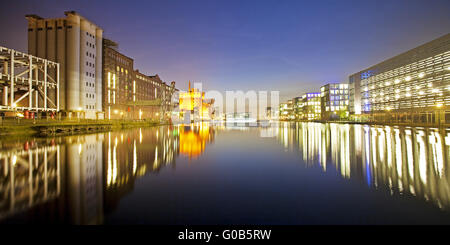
x=311 y=106
x=411 y=87
x=287 y=110
x=334 y=101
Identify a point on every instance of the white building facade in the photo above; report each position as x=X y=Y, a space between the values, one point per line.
x=76 y=44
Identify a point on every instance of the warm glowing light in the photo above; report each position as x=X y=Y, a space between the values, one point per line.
x=435 y=90
x=421 y=75
x=407 y=78
x=116 y=111
x=14 y=160
x=421 y=92
x=439 y=105
x=397 y=81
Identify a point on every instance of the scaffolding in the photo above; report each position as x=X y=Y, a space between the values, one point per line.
x=25 y=77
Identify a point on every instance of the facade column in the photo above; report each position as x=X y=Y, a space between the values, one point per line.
x=98 y=69
x=73 y=62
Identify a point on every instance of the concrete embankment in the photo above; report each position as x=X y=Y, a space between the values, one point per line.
x=52 y=128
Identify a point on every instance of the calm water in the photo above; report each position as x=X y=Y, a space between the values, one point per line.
x=289 y=173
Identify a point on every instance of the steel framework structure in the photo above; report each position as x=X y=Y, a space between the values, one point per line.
x=25 y=76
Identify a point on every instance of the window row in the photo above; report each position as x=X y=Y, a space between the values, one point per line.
x=90 y=64
x=88 y=54
x=91 y=45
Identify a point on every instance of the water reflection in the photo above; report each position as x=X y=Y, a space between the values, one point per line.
x=79 y=179
x=403 y=160
x=193 y=139
x=29 y=175
x=82 y=179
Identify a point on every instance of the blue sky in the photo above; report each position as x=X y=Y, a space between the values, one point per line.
x=291 y=46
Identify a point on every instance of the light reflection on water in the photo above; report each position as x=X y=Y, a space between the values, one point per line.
x=81 y=179
x=403 y=159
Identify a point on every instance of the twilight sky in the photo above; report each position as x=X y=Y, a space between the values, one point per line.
x=290 y=46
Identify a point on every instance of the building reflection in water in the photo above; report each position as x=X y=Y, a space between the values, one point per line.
x=194 y=137
x=134 y=153
x=403 y=160
x=77 y=179
x=53 y=180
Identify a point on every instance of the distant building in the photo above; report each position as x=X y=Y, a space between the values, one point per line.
x=130 y=94
x=310 y=107
x=193 y=105
x=153 y=96
x=269 y=113
x=297 y=108
x=286 y=110
x=76 y=44
x=411 y=87
x=334 y=101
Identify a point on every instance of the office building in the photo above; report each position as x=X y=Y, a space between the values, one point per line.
x=310 y=106
x=76 y=44
x=287 y=110
x=334 y=101
x=411 y=87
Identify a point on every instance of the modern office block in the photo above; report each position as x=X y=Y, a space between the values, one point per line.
x=334 y=101
x=76 y=44
x=286 y=110
x=411 y=87
x=311 y=106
